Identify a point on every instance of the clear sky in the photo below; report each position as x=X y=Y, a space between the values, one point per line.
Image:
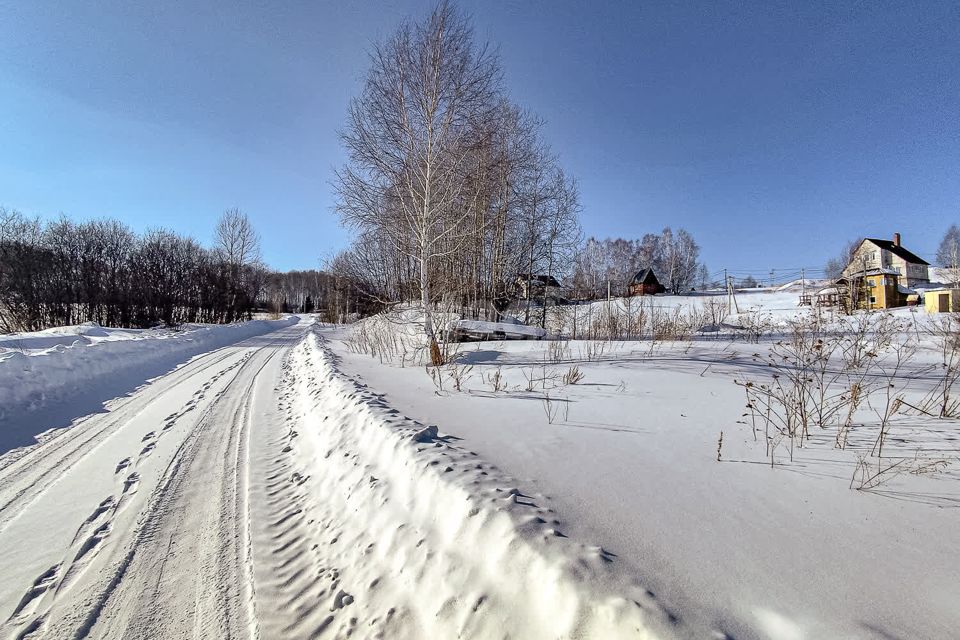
x=774 y=132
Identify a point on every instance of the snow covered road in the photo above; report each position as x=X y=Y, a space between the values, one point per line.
x=132 y=523
x=258 y=492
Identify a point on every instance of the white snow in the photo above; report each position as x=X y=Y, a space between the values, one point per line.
x=289 y=485
x=628 y=458
x=54 y=375
x=508 y=329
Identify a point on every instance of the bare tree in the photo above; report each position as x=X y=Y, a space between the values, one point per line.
x=562 y=235
x=835 y=266
x=428 y=97
x=948 y=254
x=235 y=240
x=237 y=244
x=674 y=257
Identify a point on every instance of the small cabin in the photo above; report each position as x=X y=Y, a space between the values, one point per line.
x=941 y=300
x=526 y=286
x=645 y=283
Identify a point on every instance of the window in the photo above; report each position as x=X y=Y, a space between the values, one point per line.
x=873 y=300
x=870 y=282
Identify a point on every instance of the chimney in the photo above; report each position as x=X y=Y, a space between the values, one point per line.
x=896 y=239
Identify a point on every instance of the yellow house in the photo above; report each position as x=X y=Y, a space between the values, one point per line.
x=941 y=300
x=878 y=289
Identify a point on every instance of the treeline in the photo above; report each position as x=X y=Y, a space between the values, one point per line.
x=336 y=298
x=450 y=187
x=673 y=256
x=63 y=272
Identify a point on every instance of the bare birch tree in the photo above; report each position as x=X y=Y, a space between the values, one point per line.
x=948 y=254
x=238 y=246
x=428 y=97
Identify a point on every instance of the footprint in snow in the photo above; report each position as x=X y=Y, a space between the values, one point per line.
x=131 y=483
x=103 y=508
x=92 y=544
x=31 y=599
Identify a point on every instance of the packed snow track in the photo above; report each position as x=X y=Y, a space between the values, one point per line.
x=258 y=492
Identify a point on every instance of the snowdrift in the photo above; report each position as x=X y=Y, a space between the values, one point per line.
x=37 y=369
x=428 y=540
x=484 y=329
x=87 y=333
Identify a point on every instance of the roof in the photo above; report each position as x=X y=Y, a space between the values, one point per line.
x=898 y=251
x=879 y=272
x=647 y=276
x=549 y=281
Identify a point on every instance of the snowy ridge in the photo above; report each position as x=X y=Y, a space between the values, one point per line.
x=416 y=537
x=28 y=382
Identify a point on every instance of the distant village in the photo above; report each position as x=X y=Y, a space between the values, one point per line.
x=880 y=274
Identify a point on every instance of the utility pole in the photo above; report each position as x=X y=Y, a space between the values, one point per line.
x=803 y=285
x=726 y=284
x=731 y=295
x=771 y=277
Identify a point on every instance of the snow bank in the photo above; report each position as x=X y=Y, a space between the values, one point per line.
x=426 y=538
x=799 y=285
x=87 y=333
x=508 y=329
x=52 y=365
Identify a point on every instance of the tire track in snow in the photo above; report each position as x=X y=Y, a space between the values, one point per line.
x=127 y=481
x=183 y=535
x=94 y=533
x=21 y=484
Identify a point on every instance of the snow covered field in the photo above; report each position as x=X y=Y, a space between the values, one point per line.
x=274 y=483
x=628 y=458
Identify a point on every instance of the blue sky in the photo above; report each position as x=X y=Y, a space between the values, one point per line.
x=773 y=132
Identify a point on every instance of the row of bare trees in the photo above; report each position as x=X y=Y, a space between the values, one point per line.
x=610 y=264
x=449 y=187
x=63 y=272
x=336 y=298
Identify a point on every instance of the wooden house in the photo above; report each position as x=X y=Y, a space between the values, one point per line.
x=890 y=257
x=535 y=286
x=645 y=283
x=881 y=273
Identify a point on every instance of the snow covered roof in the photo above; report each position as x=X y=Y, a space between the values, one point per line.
x=880 y=272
